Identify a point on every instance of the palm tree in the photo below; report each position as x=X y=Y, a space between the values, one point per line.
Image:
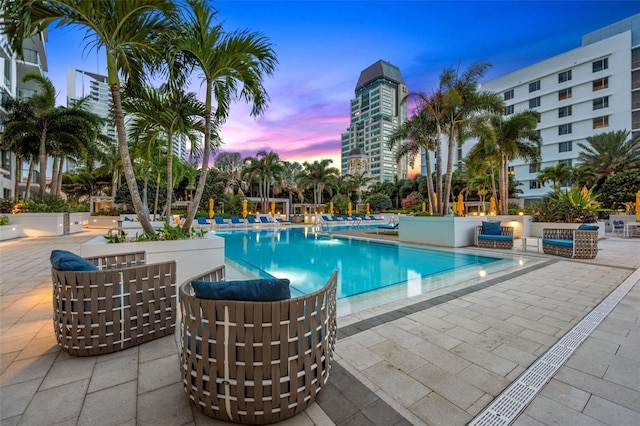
x=288 y=183
x=317 y=175
x=268 y=170
x=357 y=181
x=557 y=175
x=462 y=107
x=130 y=32
x=164 y=112
x=611 y=152
x=20 y=137
x=226 y=61
x=421 y=132
x=512 y=137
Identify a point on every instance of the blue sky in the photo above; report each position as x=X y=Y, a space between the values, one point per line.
x=322 y=46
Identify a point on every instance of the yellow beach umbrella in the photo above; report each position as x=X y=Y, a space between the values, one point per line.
x=584 y=191
x=273 y=208
x=349 y=209
x=638 y=205
x=244 y=209
x=211 y=212
x=492 y=205
x=331 y=208
x=460 y=205
x=368 y=211
x=424 y=207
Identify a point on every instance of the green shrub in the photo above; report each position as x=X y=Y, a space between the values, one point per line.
x=4 y=220
x=47 y=204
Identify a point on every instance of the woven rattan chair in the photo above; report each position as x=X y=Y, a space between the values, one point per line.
x=123 y=304
x=572 y=243
x=502 y=241
x=256 y=362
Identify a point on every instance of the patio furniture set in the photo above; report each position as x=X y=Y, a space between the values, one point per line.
x=250 y=353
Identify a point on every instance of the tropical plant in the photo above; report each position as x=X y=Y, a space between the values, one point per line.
x=579 y=206
x=620 y=189
x=288 y=183
x=557 y=175
x=340 y=203
x=225 y=61
x=547 y=209
x=47 y=204
x=318 y=176
x=267 y=169
x=164 y=114
x=413 y=202
x=4 y=220
x=611 y=152
x=356 y=181
x=132 y=34
x=379 y=202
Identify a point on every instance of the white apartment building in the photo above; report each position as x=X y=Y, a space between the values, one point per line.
x=95 y=87
x=592 y=89
x=11 y=86
x=377 y=110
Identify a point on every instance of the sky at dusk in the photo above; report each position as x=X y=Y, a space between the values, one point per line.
x=322 y=46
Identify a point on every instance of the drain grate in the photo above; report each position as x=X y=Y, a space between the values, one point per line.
x=509 y=404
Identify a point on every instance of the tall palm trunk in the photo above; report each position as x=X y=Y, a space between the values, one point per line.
x=60 y=168
x=27 y=191
x=427 y=163
x=115 y=181
x=18 y=176
x=129 y=175
x=444 y=202
x=54 y=176
x=169 y=175
x=205 y=160
x=438 y=172
x=42 y=161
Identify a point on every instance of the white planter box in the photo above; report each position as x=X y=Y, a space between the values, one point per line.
x=537 y=227
x=8 y=232
x=103 y=222
x=48 y=224
x=444 y=231
x=193 y=257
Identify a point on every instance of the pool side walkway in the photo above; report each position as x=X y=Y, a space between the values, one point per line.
x=436 y=360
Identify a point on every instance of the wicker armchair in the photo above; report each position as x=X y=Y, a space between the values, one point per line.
x=256 y=362
x=123 y=304
x=502 y=241
x=572 y=243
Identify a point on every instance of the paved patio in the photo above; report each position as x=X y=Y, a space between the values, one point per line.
x=436 y=359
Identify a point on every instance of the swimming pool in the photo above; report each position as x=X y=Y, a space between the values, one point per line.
x=307 y=259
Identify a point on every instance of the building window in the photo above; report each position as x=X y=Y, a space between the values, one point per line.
x=601 y=83
x=534 y=86
x=534 y=184
x=564 y=94
x=508 y=95
x=601 y=103
x=635 y=79
x=600 y=65
x=600 y=122
x=508 y=110
x=565 y=146
x=535 y=102
x=564 y=111
x=511 y=170
x=564 y=76
x=534 y=168
x=568 y=162
x=6 y=161
x=564 y=129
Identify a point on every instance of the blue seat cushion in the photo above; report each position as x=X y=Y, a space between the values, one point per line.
x=557 y=242
x=66 y=261
x=259 y=290
x=491 y=228
x=495 y=237
x=585 y=227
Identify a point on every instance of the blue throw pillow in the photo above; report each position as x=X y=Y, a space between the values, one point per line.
x=67 y=261
x=259 y=290
x=585 y=227
x=491 y=228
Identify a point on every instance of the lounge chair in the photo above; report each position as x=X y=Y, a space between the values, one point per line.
x=282 y=221
x=347 y=218
x=266 y=220
x=327 y=218
x=219 y=221
x=202 y=221
x=252 y=221
x=236 y=221
x=618 y=227
x=354 y=217
x=119 y=303
x=253 y=362
x=372 y=217
x=388 y=227
x=493 y=235
x=572 y=243
x=337 y=219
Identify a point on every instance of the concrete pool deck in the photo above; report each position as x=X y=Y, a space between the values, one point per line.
x=439 y=359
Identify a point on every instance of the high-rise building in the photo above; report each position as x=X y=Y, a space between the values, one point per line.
x=592 y=89
x=12 y=86
x=377 y=110
x=95 y=87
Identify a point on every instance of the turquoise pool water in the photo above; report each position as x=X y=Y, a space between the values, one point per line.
x=308 y=259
